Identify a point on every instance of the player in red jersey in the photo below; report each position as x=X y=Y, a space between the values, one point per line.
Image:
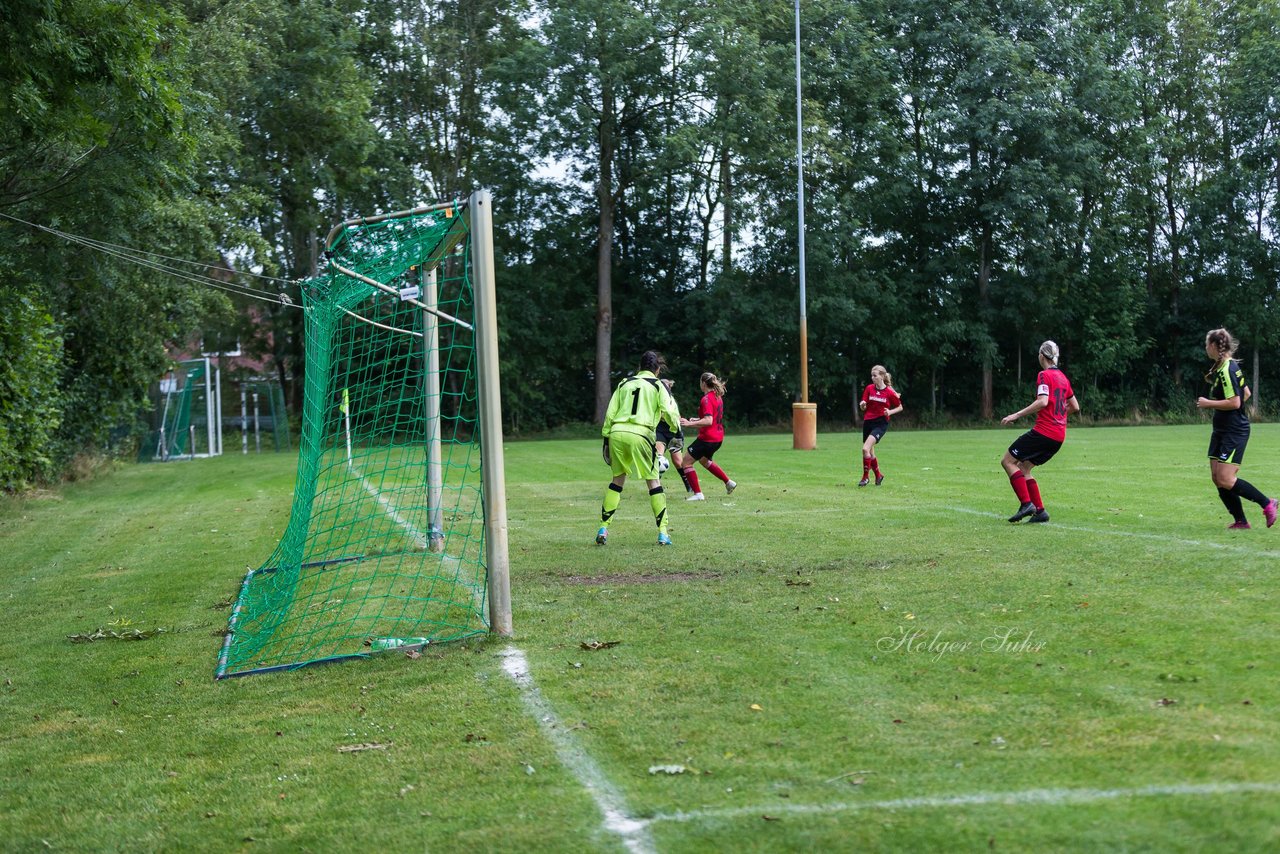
x=879 y=403
x=710 y=424
x=1054 y=402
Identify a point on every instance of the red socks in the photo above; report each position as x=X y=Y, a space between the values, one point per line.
x=875 y=465
x=866 y=467
x=1019 y=483
x=1027 y=490
x=716 y=470
x=691 y=479
x=1033 y=489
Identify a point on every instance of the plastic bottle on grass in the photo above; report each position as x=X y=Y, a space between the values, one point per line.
x=380 y=644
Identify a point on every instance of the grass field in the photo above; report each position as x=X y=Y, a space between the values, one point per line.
x=832 y=668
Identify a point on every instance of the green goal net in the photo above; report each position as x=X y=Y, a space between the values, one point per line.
x=397 y=534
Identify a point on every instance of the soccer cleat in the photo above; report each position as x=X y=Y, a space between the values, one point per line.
x=1041 y=516
x=1270 y=511
x=663 y=539
x=863 y=482
x=730 y=486
x=602 y=536
x=1239 y=526
x=697 y=496
x=1023 y=512
x=879 y=479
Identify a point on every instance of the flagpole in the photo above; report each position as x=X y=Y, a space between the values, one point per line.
x=804 y=415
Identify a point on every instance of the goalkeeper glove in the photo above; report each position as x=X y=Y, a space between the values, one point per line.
x=604 y=452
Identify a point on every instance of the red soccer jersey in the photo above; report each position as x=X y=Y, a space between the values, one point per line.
x=1052 y=420
x=879 y=401
x=712 y=405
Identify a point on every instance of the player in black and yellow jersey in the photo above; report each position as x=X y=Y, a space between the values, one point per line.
x=1227 y=397
x=639 y=402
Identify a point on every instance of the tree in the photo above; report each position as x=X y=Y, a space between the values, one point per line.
x=300 y=144
x=96 y=138
x=608 y=69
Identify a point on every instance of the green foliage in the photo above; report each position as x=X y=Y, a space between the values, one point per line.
x=978 y=177
x=114 y=358
x=98 y=138
x=30 y=398
x=77 y=79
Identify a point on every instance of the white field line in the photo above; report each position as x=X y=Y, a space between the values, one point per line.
x=633 y=833
x=1181 y=541
x=1026 y=797
x=391 y=510
x=477 y=590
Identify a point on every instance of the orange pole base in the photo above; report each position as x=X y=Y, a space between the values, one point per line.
x=804 y=426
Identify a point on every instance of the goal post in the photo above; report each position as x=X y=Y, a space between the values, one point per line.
x=492 y=464
x=397 y=536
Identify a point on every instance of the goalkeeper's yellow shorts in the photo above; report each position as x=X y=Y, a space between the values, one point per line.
x=633 y=455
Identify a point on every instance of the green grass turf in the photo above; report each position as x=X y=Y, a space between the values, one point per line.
x=1140 y=652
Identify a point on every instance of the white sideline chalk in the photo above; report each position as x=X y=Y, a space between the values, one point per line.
x=617 y=820
x=1042 y=797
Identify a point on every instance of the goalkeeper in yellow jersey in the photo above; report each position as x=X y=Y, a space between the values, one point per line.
x=639 y=402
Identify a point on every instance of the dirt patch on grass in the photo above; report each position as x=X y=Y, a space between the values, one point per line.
x=38 y=493
x=638 y=578
x=109 y=572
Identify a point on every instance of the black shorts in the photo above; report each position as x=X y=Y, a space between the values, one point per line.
x=663 y=433
x=701 y=450
x=1227 y=446
x=875 y=427
x=1033 y=447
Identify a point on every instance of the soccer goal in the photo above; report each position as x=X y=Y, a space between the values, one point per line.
x=263 y=416
x=398 y=535
x=187 y=414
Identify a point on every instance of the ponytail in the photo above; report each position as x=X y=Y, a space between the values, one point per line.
x=652 y=361
x=716 y=384
x=1225 y=343
x=1050 y=351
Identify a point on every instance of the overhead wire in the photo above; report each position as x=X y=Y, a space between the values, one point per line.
x=104 y=244
x=136 y=256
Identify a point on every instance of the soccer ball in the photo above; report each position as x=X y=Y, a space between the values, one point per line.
x=663 y=465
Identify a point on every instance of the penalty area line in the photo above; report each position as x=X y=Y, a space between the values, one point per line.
x=422 y=541
x=1026 y=797
x=391 y=510
x=633 y=832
